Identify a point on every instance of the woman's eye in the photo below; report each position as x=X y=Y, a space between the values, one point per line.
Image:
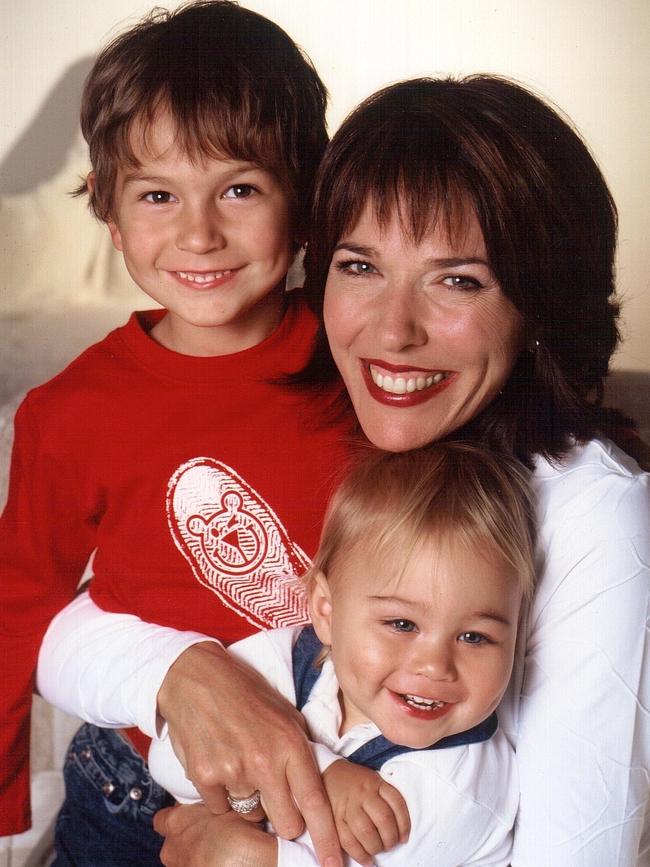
x=474 y=638
x=239 y=191
x=356 y=267
x=462 y=281
x=400 y=625
x=158 y=197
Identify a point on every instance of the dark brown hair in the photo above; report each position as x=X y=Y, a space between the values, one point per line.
x=389 y=503
x=234 y=83
x=433 y=148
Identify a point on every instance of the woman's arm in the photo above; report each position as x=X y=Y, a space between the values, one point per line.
x=582 y=732
x=227 y=725
x=463 y=803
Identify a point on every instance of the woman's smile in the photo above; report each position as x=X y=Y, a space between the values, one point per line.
x=399 y=385
x=421 y=331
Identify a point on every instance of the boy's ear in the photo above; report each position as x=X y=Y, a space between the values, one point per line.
x=320 y=608
x=116 y=238
x=112 y=225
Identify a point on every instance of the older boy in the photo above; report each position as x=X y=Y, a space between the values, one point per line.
x=168 y=448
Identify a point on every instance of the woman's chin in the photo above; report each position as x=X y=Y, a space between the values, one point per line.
x=400 y=435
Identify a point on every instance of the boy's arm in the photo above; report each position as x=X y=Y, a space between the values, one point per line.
x=46 y=538
x=107 y=668
x=275 y=753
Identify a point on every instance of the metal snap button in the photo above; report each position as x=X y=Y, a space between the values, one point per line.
x=135 y=793
x=86 y=753
x=108 y=788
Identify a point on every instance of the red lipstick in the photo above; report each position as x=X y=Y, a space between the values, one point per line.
x=408 y=399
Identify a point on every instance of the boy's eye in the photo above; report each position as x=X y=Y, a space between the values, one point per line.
x=239 y=191
x=356 y=267
x=462 y=281
x=401 y=625
x=474 y=638
x=158 y=197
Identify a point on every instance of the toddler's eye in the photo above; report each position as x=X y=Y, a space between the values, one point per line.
x=239 y=191
x=400 y=625
x=472 y=638
x=158 y=197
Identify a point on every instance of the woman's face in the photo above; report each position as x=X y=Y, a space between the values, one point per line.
x=422 y=334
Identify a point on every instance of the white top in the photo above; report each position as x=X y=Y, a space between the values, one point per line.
x=577 y=710
x=462 y=800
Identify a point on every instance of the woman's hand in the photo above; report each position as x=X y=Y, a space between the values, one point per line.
x=195 y=837
x=229 y=728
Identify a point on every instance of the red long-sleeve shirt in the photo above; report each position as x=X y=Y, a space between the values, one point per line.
x=199 y=482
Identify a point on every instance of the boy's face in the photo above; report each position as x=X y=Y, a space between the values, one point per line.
x=422 y=649
x=209 y=240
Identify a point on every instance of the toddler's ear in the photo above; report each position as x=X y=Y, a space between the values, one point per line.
x=320 y=607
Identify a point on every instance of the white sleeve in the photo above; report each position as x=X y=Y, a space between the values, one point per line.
x=583 y=730
x=462 y=803
x=108 y=668
x=269 y=653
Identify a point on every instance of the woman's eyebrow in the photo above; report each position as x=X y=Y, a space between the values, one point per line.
x=358 y=249
x=457 y=261
x=433 y=261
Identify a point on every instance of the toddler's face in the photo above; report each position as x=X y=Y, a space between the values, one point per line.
x=208 y=239
x=424 y=649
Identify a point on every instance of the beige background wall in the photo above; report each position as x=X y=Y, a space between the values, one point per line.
x=589 y=56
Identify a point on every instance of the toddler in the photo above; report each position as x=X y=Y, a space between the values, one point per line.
x=415 y=596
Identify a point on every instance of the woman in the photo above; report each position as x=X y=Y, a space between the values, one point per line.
x=465 y=240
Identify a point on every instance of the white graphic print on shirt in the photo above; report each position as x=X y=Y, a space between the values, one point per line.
x=235 y=544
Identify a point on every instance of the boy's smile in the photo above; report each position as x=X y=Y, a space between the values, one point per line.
x=422 y=648
x=209 y=239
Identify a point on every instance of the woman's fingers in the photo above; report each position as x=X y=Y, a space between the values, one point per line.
x=249 y=806
x=307 y=789
x=229 y=728
x=215 y=800
x=194 y=837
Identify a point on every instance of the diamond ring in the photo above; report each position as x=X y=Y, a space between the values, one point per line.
x=244 y=805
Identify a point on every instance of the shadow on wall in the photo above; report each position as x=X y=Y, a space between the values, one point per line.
x=41 y=151
x=629 y=391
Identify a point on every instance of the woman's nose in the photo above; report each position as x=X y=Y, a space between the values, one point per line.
x=399 y=321
x=200 y=230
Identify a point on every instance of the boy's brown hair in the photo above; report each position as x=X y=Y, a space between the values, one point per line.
x=390 y=502
x=233 y=82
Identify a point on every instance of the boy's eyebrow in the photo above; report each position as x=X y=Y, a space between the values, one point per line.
x=450 y=262
x=135 y=176
x=477 y=615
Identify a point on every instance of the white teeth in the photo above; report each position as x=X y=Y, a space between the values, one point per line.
x=194 y=277
x=404 y=385
x=423 y=703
